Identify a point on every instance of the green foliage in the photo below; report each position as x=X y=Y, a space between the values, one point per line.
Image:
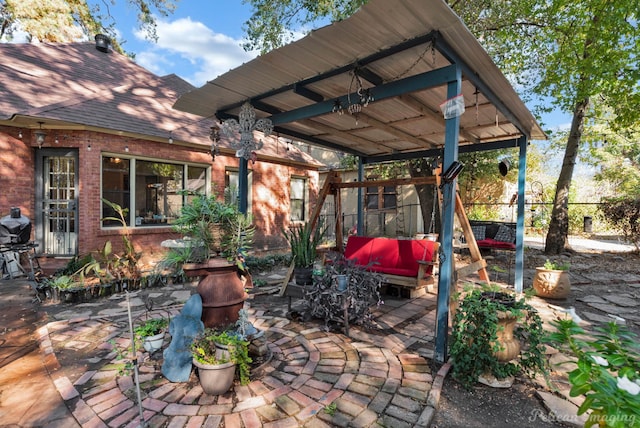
x=330 y=409
x=304 y=242
x=62 y=282
x=553 y=265
x=204 y=351
x=174 y=259
x=261 y=264
x=151 y=327
x=474 y=337
x=270 y=25
x=125 y=265
x=74 y=265
x=72 y=20
x=237 y=238
x=197 y=220
x=623 y=213
x=607 y=372
x=616 y=155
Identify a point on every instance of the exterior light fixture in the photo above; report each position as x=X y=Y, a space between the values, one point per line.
x=40 y=135
x=452 y=172
x=504 y=167
x=89 y=147
x=171 y=137
x=240 y=133
x=20 y=134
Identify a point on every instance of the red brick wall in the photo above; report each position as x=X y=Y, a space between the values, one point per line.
x=270 y=186
x=16 y=156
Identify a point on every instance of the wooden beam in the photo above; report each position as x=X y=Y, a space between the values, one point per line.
x=389 y=182
x=470 y=238
x=332 y=178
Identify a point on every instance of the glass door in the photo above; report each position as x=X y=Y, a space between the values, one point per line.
x=57 y=222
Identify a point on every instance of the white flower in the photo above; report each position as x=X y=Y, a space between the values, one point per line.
x=625 y=384
x=600 y=361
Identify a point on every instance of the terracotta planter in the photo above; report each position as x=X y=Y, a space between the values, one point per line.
x=153 y=343
x=215 y=379
x=510 y=345
x=551 y=283
x=222 y=290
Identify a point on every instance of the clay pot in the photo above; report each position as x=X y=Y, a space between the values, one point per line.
x=552 y=283
x=222 y=289
x=215 y=379
x=510 y=345
x=153 y=343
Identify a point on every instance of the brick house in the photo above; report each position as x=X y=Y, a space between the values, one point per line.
x=79 y=122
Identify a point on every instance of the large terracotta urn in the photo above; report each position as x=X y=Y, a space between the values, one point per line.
x=552 y=283
x=222 y=288
x=510 y=345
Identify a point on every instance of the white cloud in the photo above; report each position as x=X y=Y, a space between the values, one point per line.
x=207 y=53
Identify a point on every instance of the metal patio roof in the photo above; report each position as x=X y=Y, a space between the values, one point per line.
x=401 y=50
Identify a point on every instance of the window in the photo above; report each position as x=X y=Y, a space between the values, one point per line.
x=150 y=189
x=231 y=186
x=381 y=198
x=298 y=197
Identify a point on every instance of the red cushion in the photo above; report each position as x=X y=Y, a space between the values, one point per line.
x=392 y=271
x=359 y=249
x=492 y=243
x=385 y=252
x=388 y=255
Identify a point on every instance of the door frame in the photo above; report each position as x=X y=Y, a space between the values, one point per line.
x=41 y=154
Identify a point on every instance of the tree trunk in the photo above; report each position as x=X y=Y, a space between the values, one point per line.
x=557 y=236
x=426 y=194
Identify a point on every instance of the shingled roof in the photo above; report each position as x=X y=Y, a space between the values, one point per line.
x=76 y=86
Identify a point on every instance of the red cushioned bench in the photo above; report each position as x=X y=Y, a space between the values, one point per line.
x=494 y=234
x=407 y=263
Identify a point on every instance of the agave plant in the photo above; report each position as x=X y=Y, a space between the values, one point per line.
x=304 y=242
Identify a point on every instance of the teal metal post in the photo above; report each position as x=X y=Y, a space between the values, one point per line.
x=522 y=172
x=360 y=218
x=452 y=129
x=243 y=185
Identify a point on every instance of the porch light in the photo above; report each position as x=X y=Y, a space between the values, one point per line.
x=244 y=143
x=40 y=135
x=504 y=167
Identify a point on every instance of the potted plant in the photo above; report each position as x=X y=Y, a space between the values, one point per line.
x=327 y=302
x=202 y=220
x=304 y=243
x=494 y=337
x=222 y=282
x=151 y=332
x=552 y=280
x=216 y=371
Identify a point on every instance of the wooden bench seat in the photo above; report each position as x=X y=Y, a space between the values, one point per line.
x=405 y=263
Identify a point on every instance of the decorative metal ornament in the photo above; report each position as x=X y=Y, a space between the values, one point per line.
x=240 y=133
x=214 y=135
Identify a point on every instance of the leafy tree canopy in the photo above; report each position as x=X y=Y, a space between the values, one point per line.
x=62 y=21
